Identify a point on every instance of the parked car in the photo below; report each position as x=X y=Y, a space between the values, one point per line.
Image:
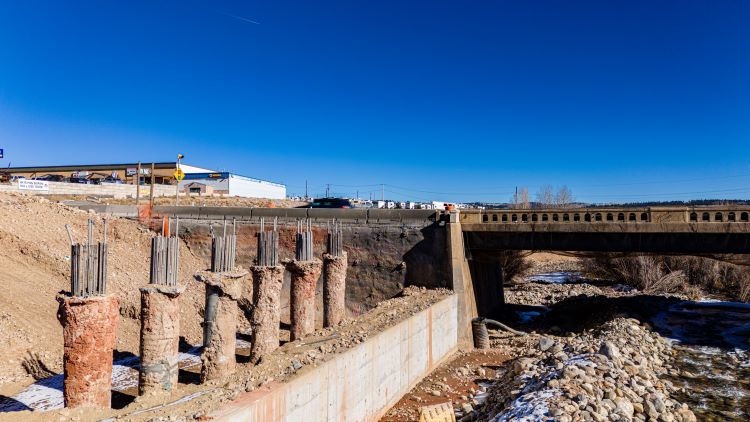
x=51 y=178
x=331 y=203
x=110 y=179
x=78 y=179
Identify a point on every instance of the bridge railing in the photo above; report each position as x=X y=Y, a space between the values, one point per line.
x=739 y=214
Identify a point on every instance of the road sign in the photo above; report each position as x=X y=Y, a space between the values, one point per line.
x=1 y=153
x=179 y=174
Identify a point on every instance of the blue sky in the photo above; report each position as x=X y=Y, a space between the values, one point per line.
x=619 y=100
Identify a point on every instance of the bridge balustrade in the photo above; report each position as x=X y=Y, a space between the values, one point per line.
x=606 y=216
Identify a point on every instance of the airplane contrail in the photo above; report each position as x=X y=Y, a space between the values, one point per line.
x=240 y=18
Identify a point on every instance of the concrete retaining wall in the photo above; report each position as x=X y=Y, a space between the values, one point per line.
x=105 y=189
x=362 y=383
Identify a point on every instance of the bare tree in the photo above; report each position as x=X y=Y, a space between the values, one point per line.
x=545 y=196
x=525 y=203
x=564 y=197
x=521 y=199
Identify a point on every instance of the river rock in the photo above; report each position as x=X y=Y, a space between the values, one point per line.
x=609 y=350
x=545 y=343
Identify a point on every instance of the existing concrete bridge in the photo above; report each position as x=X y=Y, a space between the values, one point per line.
x=721 y=232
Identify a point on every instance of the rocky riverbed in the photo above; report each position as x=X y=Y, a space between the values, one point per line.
x=674 y=360
x=613 y=373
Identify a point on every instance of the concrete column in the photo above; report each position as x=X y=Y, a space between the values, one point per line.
x=223 y=290
x=89 y=334
x=160 y=338
x=266 y=310
x=461 y=280
x=305 y=276
x=334 y=289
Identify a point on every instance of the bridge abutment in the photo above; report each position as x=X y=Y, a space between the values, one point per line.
x=461 y=280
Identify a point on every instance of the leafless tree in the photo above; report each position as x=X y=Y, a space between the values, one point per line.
x=521 y=199
x=545 y=196
x=525 y=203
x=564 y=197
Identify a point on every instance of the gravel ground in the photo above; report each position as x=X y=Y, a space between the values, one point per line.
x=286 y=362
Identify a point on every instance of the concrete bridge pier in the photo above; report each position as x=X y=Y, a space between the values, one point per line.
x=266 y=310
x=305 y=276
x=89 y=333
x=160 y=338
x=334 y=289
x=223 y=290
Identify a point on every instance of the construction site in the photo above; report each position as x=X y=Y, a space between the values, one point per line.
x=104 y=316
x=242 y=309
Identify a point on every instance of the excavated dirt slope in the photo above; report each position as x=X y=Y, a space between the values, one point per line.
x=35 y=266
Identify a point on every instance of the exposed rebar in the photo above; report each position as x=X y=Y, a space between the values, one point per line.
x=165 y=260
x=88 y=264
x=335 y=241
x=304 y=244
x=268 y=245
x=224 y=249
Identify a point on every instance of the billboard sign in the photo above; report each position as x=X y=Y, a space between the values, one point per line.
x=39 y=185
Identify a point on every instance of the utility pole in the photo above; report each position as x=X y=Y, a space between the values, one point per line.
x=138 y=185
x=306 y=197
x=328 y=190
x=382 y=192
x=515 y=198
x=151 y=200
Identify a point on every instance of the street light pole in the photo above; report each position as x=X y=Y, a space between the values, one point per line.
x=177 y=185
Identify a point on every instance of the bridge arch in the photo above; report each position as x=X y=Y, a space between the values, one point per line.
x=706 y=217
x=718 y=217
x=693 y=216
x=598 y=216
x=545 y=217
x=514 y=217
x=644 y=216
x=566 y=217
x=494 y=218
x=744 y=217
x=631 y=217
x=587 y=217
x=610 y=217
x=525 y=218
x=534 y=217
x=505 y=218
x=555 y=217
x=731 y=216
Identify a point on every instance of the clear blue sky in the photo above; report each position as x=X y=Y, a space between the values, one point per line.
x=620 y=100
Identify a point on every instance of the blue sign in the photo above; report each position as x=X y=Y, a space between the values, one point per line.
x=1 y=153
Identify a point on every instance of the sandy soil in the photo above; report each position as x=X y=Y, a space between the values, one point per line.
x=36 y=266
x=459 y=381
x=194 y=401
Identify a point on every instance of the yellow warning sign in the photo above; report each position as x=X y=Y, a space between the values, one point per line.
x=179 y=174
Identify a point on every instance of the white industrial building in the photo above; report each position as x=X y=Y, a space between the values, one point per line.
x=201 y=181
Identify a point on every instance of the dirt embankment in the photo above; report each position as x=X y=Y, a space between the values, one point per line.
x=35 y=266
